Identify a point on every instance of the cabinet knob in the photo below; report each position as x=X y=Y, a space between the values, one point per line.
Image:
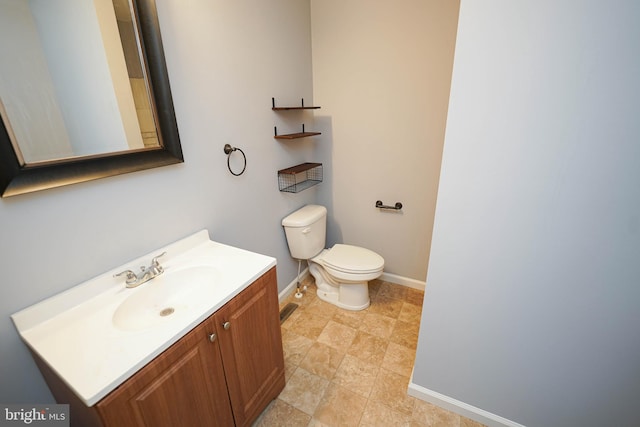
x=226 y=325
x=212 y=337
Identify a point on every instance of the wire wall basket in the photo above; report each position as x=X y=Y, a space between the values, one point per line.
x=300 y=177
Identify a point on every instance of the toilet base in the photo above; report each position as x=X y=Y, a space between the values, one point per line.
x=352 y=296
x=334 y=298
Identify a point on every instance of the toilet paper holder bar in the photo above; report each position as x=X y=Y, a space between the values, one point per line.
x=396 y=207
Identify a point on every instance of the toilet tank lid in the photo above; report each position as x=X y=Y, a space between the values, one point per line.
x=305 y=216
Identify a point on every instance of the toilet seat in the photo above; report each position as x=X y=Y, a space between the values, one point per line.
x=345 y=260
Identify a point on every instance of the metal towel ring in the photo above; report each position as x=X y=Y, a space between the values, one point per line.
x=228 y=149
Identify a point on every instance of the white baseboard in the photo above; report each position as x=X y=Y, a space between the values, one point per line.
x=388 y=277
x=291 y=287
x=404 y=281
x=461 y=408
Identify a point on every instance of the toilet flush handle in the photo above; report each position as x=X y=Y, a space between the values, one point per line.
x=306 y=230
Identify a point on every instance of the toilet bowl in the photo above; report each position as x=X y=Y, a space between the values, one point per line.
x=342 y=272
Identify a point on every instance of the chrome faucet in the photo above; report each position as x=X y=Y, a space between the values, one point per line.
x=146 y=273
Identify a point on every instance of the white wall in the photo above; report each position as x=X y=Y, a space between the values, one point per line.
x=531 y=307
x=225 y=60
x=381 y=72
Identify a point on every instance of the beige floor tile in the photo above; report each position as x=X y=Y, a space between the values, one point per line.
x=405 y=333
x=295 y=347
x=316 y=423
x=304 y=391
x=322 y=360
x=338 y=336
x=430 y=415
x=289 y=369
x=335 y=359
x=280 y=413
x=414 y=296
x=368 y=348
x=309 y=325
x=322 y=308
x=386 y=306
x=349 y=318
x=391 y=389
x=392 y=290
x=378 y=325
x=410 y=313
x=399 y=359
x=378 y=415
x=356 y=375
x=340 y=407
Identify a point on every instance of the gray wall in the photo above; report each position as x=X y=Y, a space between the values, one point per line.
x=531 y=307
x=226 y=60
x=382 y=73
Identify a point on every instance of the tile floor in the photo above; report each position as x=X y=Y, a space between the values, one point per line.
x=347 y=368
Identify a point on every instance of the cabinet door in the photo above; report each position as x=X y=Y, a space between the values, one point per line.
x=184 y=386
x=251 y=347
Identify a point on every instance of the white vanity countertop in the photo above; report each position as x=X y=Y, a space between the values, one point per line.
x=74 y=331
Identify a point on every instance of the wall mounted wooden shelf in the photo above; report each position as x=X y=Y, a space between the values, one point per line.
x=301 y=107
x=296 y=135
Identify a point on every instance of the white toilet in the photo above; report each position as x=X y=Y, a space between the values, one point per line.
x=342 y=273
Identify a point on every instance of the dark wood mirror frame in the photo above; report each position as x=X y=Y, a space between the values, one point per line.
x=19 y=179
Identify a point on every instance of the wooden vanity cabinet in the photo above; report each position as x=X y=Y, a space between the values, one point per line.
x=251 y=347
x=222 y=373
x=184 y=386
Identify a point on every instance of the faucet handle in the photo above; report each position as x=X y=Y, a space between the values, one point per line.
x=155 y=266
x=130 y=275
x=154 y=261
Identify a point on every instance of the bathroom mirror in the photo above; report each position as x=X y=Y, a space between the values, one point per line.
x=84 y=93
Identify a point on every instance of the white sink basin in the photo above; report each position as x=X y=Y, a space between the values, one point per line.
x=164 y=298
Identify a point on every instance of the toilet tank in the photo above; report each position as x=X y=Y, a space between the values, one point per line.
x=306 y=231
